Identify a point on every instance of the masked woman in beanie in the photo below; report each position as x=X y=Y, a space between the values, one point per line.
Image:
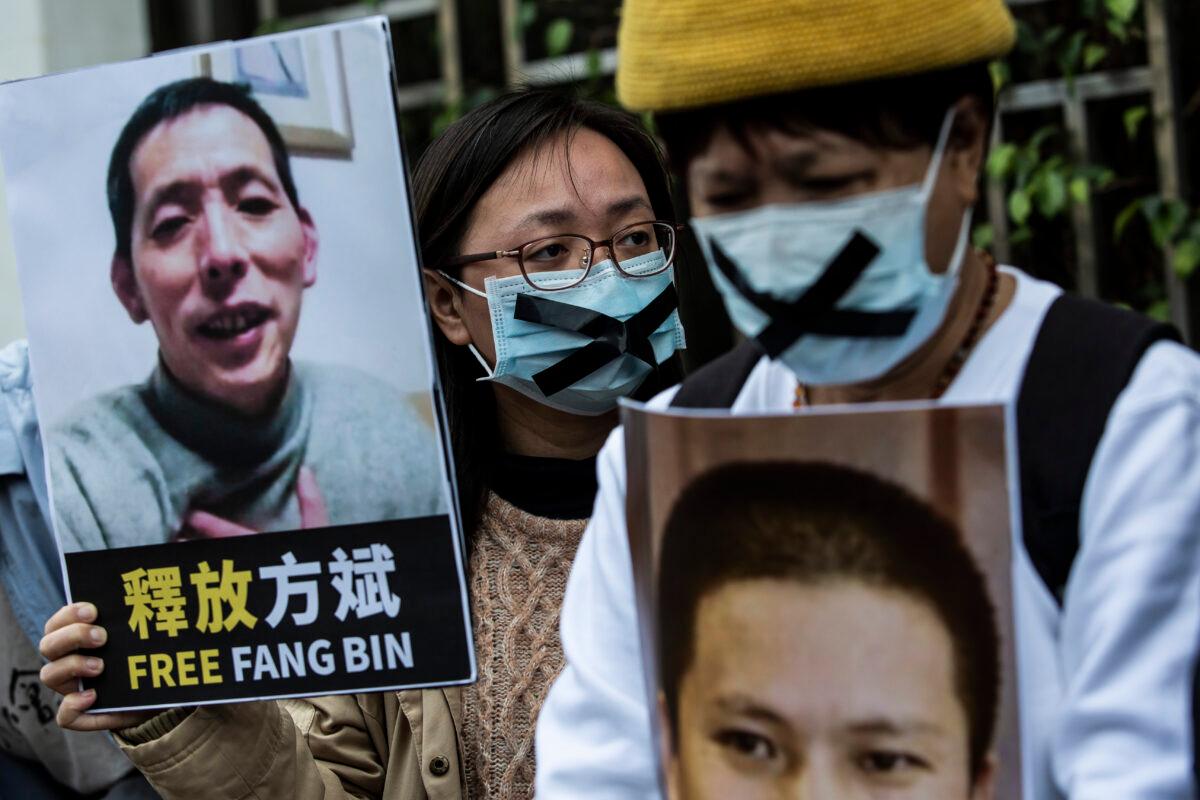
x=830 y=153
x=507 y=200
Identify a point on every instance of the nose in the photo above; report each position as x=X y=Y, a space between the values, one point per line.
x=812 y=775
x=818 y=780
x=222 y=260
x=597 y=256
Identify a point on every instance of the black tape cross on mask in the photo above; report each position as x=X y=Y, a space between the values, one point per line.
x=814 y=311
x=612 y=337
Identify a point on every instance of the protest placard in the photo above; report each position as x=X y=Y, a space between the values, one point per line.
x=826 y=597
x=228 y=337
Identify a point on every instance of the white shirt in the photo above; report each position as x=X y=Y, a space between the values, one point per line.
x=1104 y=681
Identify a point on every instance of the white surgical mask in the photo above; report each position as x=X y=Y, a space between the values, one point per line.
x=533 y=355
x=779 y=252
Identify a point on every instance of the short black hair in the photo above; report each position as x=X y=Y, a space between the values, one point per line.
x=893 y=113
x=165 y=103
x=815 y=522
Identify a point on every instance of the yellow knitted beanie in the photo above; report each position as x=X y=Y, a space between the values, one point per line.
x=675 y=54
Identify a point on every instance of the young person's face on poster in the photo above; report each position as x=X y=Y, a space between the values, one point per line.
x=825 y=598
x=196 y=383
x=834 y=691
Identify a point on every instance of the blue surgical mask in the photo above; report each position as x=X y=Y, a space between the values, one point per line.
x=623 y=325
x=838 y=291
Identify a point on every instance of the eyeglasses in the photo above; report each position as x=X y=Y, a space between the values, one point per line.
x=543 y=261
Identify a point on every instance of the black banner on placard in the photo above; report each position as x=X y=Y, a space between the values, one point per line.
x=348 y=608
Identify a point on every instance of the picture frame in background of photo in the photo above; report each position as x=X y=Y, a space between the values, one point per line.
x=300 y=82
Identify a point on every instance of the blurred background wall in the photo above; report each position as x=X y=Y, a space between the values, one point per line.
x=41 y=36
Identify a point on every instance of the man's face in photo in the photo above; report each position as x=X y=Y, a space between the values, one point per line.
x=219 y=256
x=837 y=690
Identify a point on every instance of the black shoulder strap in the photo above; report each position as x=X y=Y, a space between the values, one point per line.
x=718 y=383
x=1084 y=355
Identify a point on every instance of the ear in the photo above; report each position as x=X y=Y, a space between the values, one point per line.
x=311 y=241
x=984 y=786
x=120 y=273
x=445 y=303
x=967 y=148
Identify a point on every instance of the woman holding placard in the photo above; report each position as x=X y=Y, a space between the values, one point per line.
x=544 y=224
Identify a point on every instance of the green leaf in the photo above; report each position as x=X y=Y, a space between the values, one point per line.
x=1186 y=258
x=1117 y=29
x=558 y=36
x=1027 y=162
x=1093 y=54
x=1170 y=222
x=592 y=64
x=1068 y=60
x=1022 y=235
x=1000 y=73
x=1133 y=120
x=1052 y=35
x=1122 y=10
x=1054 y=163
x=1152 y=207
x=1124 y=218
x=1040 y=136
x=1159 y=310
x=1166 y=218
x=983 y=236
x=1051 y=194
x=1001 y=161
x=527 y=15
x=1019 y=206
x=1027 y=39
x=1080 y=191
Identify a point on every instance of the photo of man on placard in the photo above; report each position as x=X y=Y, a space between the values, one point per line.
x=822 y=633
x=825 y=601
x=229 y=434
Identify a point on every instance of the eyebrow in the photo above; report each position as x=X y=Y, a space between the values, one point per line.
x=723 y=175
x=564 y=216
x=181 y=192
x=628 y=204
x=246 y=174
x=549 y=216
x=894 y=727
x=738 y=704
x=795 y=165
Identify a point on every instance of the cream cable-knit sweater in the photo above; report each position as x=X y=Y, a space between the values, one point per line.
x=519 y=565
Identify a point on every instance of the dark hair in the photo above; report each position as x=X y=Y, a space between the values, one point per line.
x=166 y=103
x=816 y=522
x=892 y=113
x=454 y=172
